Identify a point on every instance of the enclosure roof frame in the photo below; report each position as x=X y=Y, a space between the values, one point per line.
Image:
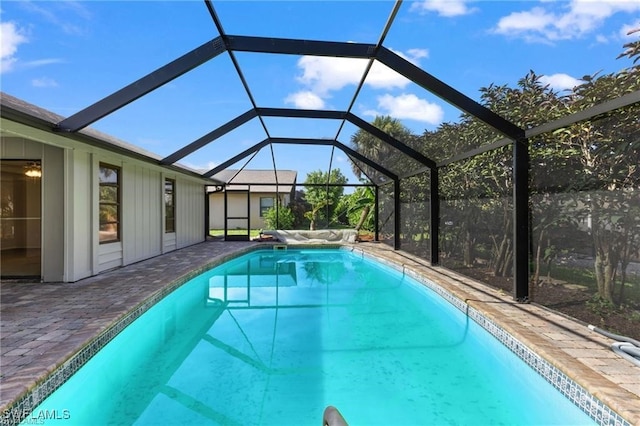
x=512 y=136
x=301 y=141
x=287 y=46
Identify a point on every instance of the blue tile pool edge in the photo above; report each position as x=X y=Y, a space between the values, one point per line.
x=597 y=410
x=24 y=405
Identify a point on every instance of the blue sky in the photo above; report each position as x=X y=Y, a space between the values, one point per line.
x=66 y=55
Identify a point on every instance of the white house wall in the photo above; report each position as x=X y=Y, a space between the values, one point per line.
x=257 y=222
x=237 y=206
x=70 y=218
x=80 y=239
x=216 y=210
x=169 y=242
x=142 y=206
x=53 y=213
x=190 y=197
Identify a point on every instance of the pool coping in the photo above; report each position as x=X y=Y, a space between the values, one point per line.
x=600 y=398
x=48 y=380
x=603 y=400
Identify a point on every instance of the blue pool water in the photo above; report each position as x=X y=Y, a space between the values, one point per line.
x=273 y=337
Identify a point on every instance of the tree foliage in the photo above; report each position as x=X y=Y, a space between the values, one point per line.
x=323 y=199
x=608 y=151
x=280 y=218
x=584 y=179
x=381 y=152
x=357 y=208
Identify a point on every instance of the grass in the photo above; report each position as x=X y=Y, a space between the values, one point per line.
x=220 y=232
x=586 y=277
x=575 y=275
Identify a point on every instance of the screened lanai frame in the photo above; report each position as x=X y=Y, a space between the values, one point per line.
x=513 y=136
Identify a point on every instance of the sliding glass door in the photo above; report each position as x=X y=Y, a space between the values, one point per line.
x=21 y=229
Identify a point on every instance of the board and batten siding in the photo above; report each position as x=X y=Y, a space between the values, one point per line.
x=79 y=249
x=190 y=198
x=142 y=215
x=169 y=242
x=70 y=204
x=142 y=206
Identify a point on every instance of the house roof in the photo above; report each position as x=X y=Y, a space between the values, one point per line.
x=20 y=111
x=259 y=180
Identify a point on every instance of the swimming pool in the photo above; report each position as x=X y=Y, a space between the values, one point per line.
x=272 y=337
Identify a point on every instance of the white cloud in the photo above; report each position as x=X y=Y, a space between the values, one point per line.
x=520 y=23
x=416 y=54
x=12 y=37
x=575 y=19
x=40 y=62
x=340 y=158
x=446 y=8
x=305 y=100
x=44 y=82
x=323 y=75
x=408 y=106
x=560 y=81
x=630 y=32
x=383 y=77
x=63 y=14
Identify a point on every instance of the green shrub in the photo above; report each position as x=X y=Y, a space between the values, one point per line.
x=284 y=218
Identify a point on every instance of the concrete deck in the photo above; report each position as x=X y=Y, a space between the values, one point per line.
x=42 y=325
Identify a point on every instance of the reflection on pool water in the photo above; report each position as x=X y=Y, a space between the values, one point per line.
x=273 y=337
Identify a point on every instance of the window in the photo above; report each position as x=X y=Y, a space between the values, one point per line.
x=265 y=204
x=109 y=203
x=169 y=205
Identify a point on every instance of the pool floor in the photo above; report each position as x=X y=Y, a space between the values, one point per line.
x=68 y=315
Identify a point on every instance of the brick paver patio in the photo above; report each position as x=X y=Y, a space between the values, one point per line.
x=42 y=325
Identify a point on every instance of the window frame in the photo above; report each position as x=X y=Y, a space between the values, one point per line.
x=106 y=203
x=172 y=207
x=263 y=209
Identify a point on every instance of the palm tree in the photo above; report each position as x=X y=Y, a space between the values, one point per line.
x=379 y=151
x=362 y=200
